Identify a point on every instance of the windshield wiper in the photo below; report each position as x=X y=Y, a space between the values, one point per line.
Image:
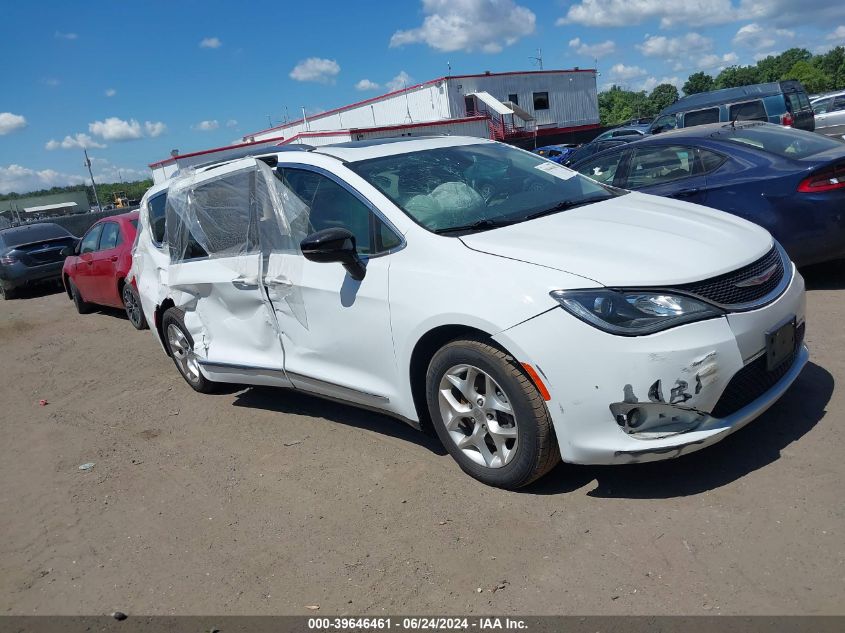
x=479 y=225
x=563 y=205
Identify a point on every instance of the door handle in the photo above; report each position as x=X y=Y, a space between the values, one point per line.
x=684 y=193
x=245 y=283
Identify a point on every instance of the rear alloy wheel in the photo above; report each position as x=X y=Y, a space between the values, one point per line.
x=132 y=304
x=489 y=414
x=82 y=306
x=181 y=348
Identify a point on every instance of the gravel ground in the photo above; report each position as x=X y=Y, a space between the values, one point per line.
x=266 y=501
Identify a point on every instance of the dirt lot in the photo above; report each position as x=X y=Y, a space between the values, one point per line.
x=266 y=501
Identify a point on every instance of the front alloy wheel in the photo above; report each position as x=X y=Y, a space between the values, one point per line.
x=478 y=416
x=489 y=414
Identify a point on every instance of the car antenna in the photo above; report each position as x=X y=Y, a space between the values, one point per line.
x=733 y=121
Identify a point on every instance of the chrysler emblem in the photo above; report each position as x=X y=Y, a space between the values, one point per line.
x=759 y=279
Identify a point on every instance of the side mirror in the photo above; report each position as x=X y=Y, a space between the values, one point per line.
x=67 y=251
x=334 y=245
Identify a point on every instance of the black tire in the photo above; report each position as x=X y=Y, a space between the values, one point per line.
x=82 y=306
x=174 y=318
x=132 y=305
x=7 y=293
x=536 y=451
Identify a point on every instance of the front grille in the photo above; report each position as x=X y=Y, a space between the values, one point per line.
x=752 y=381
x=723 y=289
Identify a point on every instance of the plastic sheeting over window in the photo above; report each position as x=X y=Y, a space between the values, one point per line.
x=244 y=219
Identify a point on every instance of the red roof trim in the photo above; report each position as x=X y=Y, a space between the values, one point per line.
x=215 y=149
x=404 y=126
x=415 y=87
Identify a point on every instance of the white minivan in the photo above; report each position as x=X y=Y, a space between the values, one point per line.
x=526 y=312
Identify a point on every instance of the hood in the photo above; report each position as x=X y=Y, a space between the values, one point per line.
x=631 y=240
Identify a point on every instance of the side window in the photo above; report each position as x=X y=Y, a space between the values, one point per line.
x=603 y=168
x=701 y=117
x=710 y=161
x=221 y=220
x=331 y=205
x=110 y=237
x=838 y=103
x=156 y=208
x=513 y=98
x=823 y=106
x=749 y=111
x=666 y=122
x=91 y=239
x=657 y=165
x=541 y=100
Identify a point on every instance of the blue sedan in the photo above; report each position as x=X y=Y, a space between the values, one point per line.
x=788 y=181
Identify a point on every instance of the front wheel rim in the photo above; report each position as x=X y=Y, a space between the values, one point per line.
x=478 y=416
x=182 y=353
x=133 y=310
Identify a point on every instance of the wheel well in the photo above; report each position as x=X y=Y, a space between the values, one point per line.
x=121 y=281
x=424 y=351
x=159 y=313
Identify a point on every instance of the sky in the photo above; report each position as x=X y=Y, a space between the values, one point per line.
x=132 y=80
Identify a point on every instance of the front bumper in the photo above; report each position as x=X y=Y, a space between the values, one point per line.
x=677 y=375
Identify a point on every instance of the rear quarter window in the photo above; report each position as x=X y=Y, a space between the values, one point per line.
x=748 y=111
x=701 y=117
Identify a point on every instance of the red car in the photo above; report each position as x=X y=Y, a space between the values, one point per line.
x=95 y=273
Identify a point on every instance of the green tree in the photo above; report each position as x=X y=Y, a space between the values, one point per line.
x=698 y=82
x=832 y=64
x=663 y=95
x=617 y=105
x=811 y=77
x=734 y=76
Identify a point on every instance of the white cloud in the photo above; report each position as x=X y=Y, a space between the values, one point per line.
x=110 y=92
x=154 y=128
x=207 y=125
x=671 y=48
x=232 y=123
x=651 y=83
x=115 y=129
x=621 y=72
x=716 y=62
x=599 y=50
x=316 y=69
x=366 y=84
x=468 y=25
x=402 y=80
x=23 y=179
x=758 y=37
x=210 y=42
x=51 y=81
x=702 y=12
x=11 y=123
x=66 y=36
x=77 y=141
x=838 y=33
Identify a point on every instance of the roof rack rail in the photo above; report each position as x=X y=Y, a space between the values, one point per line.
x=255 y=151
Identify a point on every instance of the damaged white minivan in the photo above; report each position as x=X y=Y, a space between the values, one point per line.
x=528 y=313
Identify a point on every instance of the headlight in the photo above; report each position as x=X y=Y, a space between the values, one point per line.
x=633 y=312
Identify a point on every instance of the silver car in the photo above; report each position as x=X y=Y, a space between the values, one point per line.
x=830 y=114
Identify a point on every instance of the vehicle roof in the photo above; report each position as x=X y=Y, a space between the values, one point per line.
x=726 y=95
x=699 y=131
x=376 y=148
x=827 y=96
x=120 y=217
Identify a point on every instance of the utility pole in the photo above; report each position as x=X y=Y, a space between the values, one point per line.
x=539 y=59
x=93 y=184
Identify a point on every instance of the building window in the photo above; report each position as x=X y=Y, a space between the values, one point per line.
x=541 y=101
x=513 y=98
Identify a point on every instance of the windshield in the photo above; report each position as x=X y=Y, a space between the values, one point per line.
x=477 y=187
x=782 y=141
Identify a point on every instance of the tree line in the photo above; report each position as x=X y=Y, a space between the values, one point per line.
x=818 y=73
x=133 y=190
